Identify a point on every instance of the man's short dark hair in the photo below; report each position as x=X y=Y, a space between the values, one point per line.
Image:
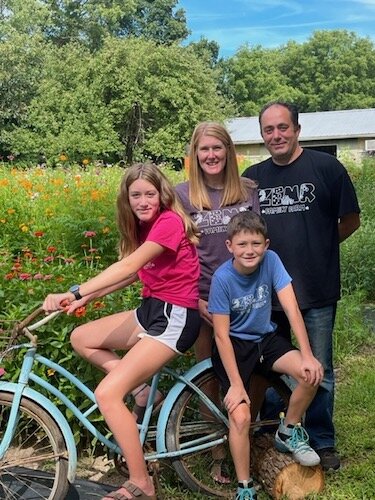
x=292 y=108
x=246 y=221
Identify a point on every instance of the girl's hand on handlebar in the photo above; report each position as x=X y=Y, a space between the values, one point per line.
x=57 y=301
x=73 y=307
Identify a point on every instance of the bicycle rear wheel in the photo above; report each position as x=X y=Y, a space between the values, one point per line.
x=190 y=419
x=35 y=466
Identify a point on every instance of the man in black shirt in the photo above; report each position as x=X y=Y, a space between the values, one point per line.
x=310 y=206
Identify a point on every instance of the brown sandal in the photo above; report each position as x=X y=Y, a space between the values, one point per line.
x=136 y=493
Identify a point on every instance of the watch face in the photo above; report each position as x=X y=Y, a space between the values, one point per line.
x=74 y=288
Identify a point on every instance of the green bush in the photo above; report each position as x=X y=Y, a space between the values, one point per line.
x=358 y=251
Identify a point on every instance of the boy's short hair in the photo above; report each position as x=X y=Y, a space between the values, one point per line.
x=246 y=221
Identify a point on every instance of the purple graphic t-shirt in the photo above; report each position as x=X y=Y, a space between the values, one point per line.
x=212 y=250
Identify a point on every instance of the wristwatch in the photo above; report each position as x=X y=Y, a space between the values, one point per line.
x=75 y=291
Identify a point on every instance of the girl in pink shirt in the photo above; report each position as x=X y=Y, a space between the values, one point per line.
x=157 y=246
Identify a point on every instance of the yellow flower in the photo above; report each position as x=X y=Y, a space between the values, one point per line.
x=24 y=228
x=11 y=211
x=85 y=161
x=106 y=230
x=4 y=182
x=26 y=184
x=50 y=372
x=63 y=157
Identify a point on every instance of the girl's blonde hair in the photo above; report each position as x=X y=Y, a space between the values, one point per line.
x=128 y=223
x=235 y=187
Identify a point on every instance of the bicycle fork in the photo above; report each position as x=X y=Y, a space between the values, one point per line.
x=18 y=393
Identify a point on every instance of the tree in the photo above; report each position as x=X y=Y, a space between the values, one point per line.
x=158 y=94
x=333 y=70
x=21 y=62
x=65 y=114
x=89 y=22
x=252 y=77
x=206 y=50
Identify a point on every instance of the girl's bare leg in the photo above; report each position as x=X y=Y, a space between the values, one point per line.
x=139 y=364
x=95 y=342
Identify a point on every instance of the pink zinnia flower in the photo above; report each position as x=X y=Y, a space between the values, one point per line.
x=89 y=234
x=25 y=276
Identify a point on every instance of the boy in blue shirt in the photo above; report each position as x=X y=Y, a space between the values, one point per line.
x=246 y=342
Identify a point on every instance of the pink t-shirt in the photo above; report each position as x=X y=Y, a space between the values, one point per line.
x=172 y=276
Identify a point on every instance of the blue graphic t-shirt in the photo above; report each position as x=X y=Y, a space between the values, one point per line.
x=247 y=299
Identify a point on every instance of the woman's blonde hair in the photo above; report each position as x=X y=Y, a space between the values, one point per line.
x=128 y=223
x=235 y=187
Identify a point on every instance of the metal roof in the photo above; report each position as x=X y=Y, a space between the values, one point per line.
x=345 y=124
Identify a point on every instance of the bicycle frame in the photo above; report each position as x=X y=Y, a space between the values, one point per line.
x=21 y=388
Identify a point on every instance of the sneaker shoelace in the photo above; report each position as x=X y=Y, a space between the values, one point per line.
x=299 y=439
x=246 y=494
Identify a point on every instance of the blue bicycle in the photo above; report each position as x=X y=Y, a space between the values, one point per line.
x=38 y=455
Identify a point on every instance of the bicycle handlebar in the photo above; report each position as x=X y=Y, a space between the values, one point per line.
x=31 y=317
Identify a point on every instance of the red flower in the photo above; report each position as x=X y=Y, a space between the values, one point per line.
x=38 y=276
x=51 y=249
x=39 y=234
x=50 y=258
x=9 y=276
x=25 y=276
x=80 y=312
x=89 y=234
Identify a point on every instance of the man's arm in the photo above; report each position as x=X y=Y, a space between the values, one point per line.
x=348 y=223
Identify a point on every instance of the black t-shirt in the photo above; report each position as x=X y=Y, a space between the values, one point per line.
x=301 y=203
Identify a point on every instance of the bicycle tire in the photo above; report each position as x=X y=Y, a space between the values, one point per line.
x=185 y=418
x=35 y=466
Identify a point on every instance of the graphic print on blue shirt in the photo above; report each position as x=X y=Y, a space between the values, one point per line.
x=246 y=299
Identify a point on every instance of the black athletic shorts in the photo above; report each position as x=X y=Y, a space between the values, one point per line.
x=252 y=357
x=175 y=326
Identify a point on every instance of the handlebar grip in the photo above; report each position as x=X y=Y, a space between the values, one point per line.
x=24 y=323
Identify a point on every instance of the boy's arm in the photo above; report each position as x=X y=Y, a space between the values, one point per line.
x=236 y=393
x=312 y=370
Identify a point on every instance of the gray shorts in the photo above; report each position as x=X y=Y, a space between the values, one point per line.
x=175 y=326
x=252 y=357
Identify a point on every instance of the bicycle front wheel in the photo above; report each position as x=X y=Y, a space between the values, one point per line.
x=191 y=422
x=35 y=466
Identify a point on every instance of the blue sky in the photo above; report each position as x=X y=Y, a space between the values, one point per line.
x=271 y=23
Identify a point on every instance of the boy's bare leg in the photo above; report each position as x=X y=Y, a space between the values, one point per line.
x=290 y=437
x=303 y=394
x=239 y=440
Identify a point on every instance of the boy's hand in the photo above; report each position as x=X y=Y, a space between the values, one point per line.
x=312 y=370
x=235 y=396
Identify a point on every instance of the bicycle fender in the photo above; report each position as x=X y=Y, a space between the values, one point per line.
x=57 y=416
x=170 y=400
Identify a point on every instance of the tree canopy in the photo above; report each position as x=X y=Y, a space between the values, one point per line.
x=110 y=79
